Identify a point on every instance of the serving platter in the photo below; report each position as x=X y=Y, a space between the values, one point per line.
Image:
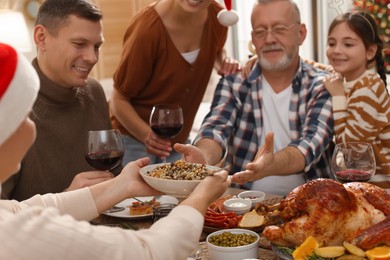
x=258 y=229
x=128 y=202
x=282 y=254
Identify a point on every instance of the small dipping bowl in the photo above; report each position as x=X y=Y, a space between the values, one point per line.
x=237 y=205
x=254 y=196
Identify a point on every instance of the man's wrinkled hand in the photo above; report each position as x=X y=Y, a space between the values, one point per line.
x=260 y=166
x=190 y=153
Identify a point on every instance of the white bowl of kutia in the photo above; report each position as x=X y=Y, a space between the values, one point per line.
x=178 y=178
x=254 y=196
x=233 y=244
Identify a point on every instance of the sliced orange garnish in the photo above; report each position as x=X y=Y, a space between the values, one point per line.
x=306 y=249
x=379 y=253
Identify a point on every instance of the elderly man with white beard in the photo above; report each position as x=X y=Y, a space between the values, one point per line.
x=274 y=126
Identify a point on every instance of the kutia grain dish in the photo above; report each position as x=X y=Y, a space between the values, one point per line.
x=180 y=170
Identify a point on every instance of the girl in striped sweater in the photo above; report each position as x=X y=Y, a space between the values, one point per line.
x=361 y=104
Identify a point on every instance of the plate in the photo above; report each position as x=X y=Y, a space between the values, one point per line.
x=128 y=202
x=281 y=253
x=271 y=201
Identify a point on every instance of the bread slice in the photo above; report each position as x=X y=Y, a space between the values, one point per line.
x=251 y=219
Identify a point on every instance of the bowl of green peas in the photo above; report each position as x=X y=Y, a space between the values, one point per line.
x=233 y=244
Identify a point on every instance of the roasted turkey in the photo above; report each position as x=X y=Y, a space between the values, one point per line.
x=332 y=213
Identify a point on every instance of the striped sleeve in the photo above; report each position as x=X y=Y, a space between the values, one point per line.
x=364 y=115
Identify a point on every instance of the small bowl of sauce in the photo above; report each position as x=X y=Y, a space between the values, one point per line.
x=254 y=196
x=237 y=205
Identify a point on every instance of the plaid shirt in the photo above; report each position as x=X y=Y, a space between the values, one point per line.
x=235 y=119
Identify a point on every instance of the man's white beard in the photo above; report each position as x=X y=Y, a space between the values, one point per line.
x=281 y=64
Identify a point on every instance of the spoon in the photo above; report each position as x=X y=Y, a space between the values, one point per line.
x=196 y=254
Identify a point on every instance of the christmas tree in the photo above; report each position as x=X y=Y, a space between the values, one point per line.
x=380 y=11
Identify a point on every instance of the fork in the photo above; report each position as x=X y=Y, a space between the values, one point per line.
x=143 y=202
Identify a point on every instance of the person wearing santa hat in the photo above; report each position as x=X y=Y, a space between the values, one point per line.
x=51 y=226
x=19 y=84
x=170 y=49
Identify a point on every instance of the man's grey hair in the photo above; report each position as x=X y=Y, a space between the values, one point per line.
x=294 y=4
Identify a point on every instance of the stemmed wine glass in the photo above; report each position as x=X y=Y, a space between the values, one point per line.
x=104 y=151
x=166 y=121
x=353 y=161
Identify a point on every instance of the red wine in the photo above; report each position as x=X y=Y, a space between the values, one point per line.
x=353 y=175
x=167 y=131
x=104 y=160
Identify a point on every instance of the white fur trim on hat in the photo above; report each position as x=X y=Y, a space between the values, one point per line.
x=228 y=17
x=20 y=92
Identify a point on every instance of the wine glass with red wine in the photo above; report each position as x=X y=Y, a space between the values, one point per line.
x=166 y=121
x=104 y=149
x=353 y=161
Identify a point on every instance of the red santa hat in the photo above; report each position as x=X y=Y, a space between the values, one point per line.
x=19 y=85
x=228 y=17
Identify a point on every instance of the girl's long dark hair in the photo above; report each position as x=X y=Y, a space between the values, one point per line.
x=365 y=27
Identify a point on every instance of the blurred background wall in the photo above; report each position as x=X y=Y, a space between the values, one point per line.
x=316 y=14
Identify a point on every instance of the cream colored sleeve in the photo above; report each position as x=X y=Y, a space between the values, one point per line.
x=42 y=233
x=78 y=203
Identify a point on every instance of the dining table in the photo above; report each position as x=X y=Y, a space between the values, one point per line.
x=265 y=251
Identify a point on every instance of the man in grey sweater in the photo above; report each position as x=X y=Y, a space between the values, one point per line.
x=68 y=35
